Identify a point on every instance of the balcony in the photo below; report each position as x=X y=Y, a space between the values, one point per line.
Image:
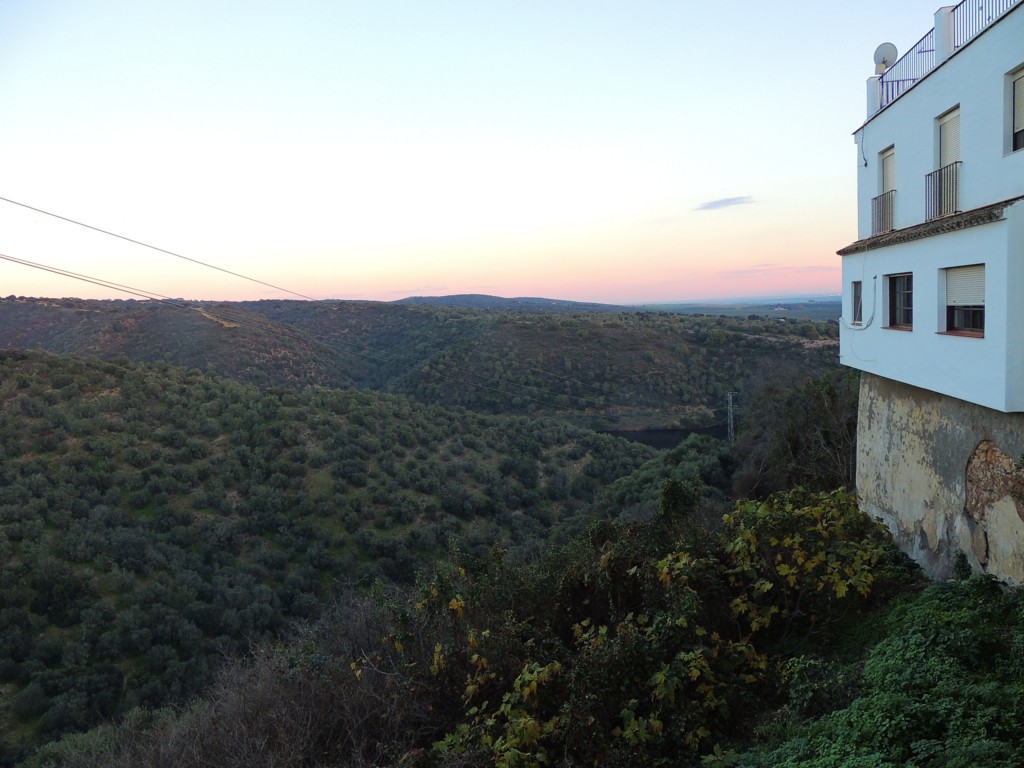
x=883 y=210
x=964 y=22
x=942 y=192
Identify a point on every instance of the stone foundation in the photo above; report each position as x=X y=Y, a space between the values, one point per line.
x=945 y=475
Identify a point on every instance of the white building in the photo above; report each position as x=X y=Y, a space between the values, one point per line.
x=933 y=291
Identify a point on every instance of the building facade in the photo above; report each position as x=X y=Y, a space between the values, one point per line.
x=933 y=292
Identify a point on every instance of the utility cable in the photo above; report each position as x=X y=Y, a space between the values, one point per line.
x=280 y=329
x=586 y=401
x=244 y=277
x=156 y=248
x=383 y=321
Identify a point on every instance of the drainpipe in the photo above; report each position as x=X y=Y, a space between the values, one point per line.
x=944 y=37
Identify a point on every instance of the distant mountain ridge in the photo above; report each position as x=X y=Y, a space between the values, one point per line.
x=520 y=303
x=604 y=370
x=808 y=307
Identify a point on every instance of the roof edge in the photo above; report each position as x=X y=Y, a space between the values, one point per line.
x=973 y=218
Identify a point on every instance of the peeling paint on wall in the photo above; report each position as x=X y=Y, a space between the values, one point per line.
x=939 y=472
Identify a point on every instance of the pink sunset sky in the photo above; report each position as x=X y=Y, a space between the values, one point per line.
x=638 y=152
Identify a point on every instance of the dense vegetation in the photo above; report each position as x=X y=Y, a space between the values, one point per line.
x=641 y=643
x=154 y=519
x=794 y=636
x=624 y=370
x=262 y=572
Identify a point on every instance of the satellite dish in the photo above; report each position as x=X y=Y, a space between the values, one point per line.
x=885 y=57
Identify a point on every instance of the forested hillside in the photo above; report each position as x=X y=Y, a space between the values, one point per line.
x=630 y=370
x=183 y=486
x=154 y=519
x=349 y=578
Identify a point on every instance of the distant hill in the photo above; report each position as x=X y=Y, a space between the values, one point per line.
x=621 y=370
x=828 y=308
x=521 y=304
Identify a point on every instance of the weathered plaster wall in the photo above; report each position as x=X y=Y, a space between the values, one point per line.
x=945 y=475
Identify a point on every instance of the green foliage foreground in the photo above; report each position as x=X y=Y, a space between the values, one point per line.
x=944 y=687
x=642 y=643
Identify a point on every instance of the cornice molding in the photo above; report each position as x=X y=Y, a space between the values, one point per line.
x=953 y=223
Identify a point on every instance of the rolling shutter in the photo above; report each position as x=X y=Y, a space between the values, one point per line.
x=949 y=139
x=965 y=286
x=888 y=171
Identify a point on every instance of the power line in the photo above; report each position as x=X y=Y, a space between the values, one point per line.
x=279 y=328
x=289 y=332
x=292 y=332
x=155 y=248
x=247 y=277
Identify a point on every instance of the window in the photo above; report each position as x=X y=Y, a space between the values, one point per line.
x=1018 y=112
x=965 y=299
x=949 y=138
x=882 y=206
x=888 y=168
x=858 y=303
x=901 y=300
x=942 y=186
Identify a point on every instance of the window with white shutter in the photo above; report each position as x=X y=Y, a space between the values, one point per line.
x=965 y=299
x=942 y=186
x=883 y=206
x=888 y=170
x=949 y=138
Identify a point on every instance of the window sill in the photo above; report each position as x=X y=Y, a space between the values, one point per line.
x=966 y=334
x=897 y=327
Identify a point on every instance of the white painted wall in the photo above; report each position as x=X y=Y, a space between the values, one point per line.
x=988 y=371
x=1014 y=352
x=975 y=78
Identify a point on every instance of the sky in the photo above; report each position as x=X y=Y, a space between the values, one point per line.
x=622 y=152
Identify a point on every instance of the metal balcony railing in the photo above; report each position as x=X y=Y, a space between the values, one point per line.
x=942 y=192
x=883 y=209
x=909 y=68
x=970 y=18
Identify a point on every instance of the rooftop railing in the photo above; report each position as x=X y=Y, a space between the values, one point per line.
x=909 y=68
x=970 y=18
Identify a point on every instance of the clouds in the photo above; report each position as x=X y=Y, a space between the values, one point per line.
x=725 y=202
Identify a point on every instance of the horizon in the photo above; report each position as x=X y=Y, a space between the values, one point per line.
x=714 y=301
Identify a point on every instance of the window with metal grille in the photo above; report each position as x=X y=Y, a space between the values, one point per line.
x=901 y=300
x=965 y=299
x=883 y=206
x=942 y=186
x=858 y=303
